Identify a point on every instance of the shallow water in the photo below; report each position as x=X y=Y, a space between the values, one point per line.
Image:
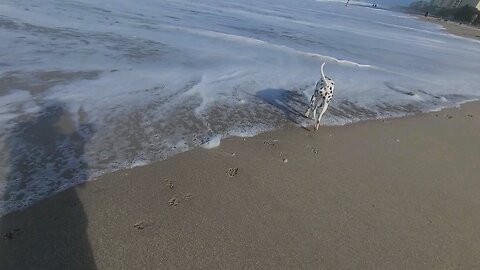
x=88 y=87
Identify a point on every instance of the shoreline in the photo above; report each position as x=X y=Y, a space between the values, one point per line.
x=151 y=126
x=394 y=194
x=454 y=28
x=218 y=140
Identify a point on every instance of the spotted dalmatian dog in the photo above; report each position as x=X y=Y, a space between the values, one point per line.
x=321 y=97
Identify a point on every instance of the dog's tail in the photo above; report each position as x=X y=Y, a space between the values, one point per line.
x=323 y=74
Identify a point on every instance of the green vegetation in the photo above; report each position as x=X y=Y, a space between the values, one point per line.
x=461 y=14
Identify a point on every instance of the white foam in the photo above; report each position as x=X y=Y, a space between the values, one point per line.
x=13 y=103
x=139 y=163
x=212 y=142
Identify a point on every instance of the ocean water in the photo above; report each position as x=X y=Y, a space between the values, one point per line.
x=88 y=87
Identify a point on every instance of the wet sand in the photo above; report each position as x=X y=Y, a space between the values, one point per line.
x=388 y=194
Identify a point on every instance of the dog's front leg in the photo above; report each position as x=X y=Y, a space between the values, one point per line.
x=307 y=113
x=316 y=108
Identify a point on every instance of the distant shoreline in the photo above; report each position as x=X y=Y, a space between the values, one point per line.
x=454 y=28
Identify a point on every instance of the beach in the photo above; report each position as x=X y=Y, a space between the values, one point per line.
x=386 y=194
x=171 y=136
x=455 y=28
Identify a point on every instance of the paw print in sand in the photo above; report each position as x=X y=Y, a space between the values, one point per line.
x=232 y=172
x=173 y=202
x=269 y=143
x=187 y=196
x=139 y=225
x=169 y=184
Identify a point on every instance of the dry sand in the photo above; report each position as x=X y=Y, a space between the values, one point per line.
x=395 y=194
x=455 y=28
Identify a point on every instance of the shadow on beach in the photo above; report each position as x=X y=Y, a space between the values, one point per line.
x=51 y=234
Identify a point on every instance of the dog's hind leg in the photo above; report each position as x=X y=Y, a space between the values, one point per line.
x=324 y=109
x=316 y=108
x=312 y=104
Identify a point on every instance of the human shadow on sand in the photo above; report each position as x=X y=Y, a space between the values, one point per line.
x=46 y=154
x=291 y=103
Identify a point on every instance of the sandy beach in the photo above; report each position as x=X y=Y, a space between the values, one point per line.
x=389 y=194
x=393 y=193
x=455 y=28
